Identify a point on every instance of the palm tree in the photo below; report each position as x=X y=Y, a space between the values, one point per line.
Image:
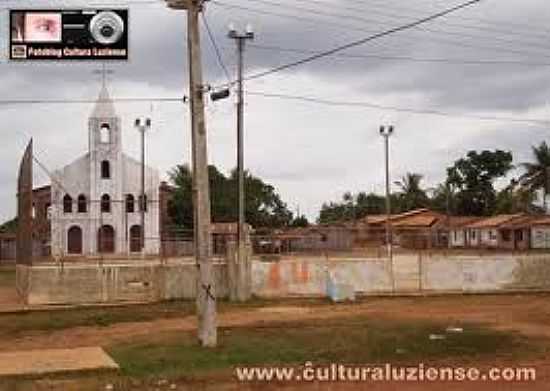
x=411 y=192
x=537 y=174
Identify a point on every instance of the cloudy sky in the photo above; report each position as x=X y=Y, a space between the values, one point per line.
x=490 y=60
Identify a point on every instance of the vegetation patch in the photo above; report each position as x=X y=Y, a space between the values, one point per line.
x=351 y=340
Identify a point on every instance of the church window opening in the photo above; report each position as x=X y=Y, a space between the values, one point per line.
x=67 y=204
x=105 y=133
x=105 y=169
x=105 y=203
x=130 y=202
x=143 y=203
x=135 y=238
x=82 y=204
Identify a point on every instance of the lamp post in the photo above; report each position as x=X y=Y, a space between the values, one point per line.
x=240 y=39
x=386 y=132
x=142 y=125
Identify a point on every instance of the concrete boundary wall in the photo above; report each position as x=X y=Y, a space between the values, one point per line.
x=306 y=277
x=88 y=284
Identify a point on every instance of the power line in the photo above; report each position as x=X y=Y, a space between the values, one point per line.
x=393 y=15
x=349 y=27
x=329 y=102
x=405 y=58
x=216 y=48
x=386 y=4
x=79 y=101
x=362 y=19
x=362 y=41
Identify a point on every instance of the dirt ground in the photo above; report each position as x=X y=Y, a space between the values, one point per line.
x=526 y=314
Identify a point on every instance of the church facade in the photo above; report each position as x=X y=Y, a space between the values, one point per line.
x=95 y=201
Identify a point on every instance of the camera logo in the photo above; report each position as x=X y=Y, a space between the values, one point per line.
x=106 y=27
x=19 y=51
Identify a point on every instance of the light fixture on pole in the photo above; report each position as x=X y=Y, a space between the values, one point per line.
x=142 y=125
x=240 y=39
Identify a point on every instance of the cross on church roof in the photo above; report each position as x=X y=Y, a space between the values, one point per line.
x=103 y=72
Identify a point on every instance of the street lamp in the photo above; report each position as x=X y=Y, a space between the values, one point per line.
x=240 y=38
x=386 y=132
x=142 y=124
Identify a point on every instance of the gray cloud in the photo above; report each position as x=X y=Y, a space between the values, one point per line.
x=312 y=153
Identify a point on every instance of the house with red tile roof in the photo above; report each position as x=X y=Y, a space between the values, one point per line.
x=458 y=232
x=496 y=232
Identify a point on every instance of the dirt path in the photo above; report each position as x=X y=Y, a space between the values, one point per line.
x=528 y=315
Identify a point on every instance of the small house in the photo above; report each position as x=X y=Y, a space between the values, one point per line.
x=540 y=233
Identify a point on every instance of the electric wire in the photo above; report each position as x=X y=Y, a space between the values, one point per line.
x=371 y=105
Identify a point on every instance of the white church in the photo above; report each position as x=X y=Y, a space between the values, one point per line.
x=96 y=200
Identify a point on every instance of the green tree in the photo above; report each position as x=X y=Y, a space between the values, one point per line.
x=370 y=204
x=300 y=222
x=9 y=226
x=411 y=194
x=443 y=199
x=354 y=207
x=473 y=177
x=537 y=173
x=263 y=206
x=516 y=199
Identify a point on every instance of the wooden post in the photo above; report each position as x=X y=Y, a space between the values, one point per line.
x=206 y=292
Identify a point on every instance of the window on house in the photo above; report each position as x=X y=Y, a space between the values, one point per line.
x=48 y=211
x=105 y=169
x=455 y=235
x=505 y=235
x=130 y=203
x=105 y=203
x=105 y=133
x=67 y=204
x=82 y=204
x=473 y=234
x=492 y=235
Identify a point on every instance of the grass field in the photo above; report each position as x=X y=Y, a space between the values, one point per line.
x=350 y=340
x=157 y=342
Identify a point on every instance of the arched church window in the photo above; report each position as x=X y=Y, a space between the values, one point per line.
x=105 y=169
x=67 y=204
x=143 y=203
x=82 y=204
x=130 y=202
x=105 y=133
x=105 y=203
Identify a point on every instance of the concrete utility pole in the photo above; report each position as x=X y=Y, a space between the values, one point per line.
x=386 y=132
x=142 y=125
x=240 y=38
x=206 y=295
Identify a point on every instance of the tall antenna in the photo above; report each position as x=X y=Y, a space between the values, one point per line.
x=103 y=72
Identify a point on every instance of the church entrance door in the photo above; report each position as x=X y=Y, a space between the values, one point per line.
x=74 y=240
x=106 y=239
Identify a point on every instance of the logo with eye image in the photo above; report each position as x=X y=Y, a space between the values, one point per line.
x=43 y=27
x=19 y=51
